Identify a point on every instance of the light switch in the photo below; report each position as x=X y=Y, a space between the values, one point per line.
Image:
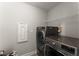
x=22 y=32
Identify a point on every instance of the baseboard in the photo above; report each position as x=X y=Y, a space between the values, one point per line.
x=30 y=53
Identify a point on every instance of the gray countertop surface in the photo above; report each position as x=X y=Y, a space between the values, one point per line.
x=66 y=40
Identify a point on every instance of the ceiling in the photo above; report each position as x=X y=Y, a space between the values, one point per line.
x=44 y=5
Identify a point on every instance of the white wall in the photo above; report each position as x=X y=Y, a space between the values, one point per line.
x=66 y=14
x=10 y=15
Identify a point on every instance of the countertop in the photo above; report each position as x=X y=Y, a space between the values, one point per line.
x=66 y=40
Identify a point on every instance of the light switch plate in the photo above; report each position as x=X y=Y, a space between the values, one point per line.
x=22 y=32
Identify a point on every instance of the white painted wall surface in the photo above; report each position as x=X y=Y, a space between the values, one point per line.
x=66 y=14
x=10 y=15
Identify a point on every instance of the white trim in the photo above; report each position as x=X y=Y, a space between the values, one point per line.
x=30 y=53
